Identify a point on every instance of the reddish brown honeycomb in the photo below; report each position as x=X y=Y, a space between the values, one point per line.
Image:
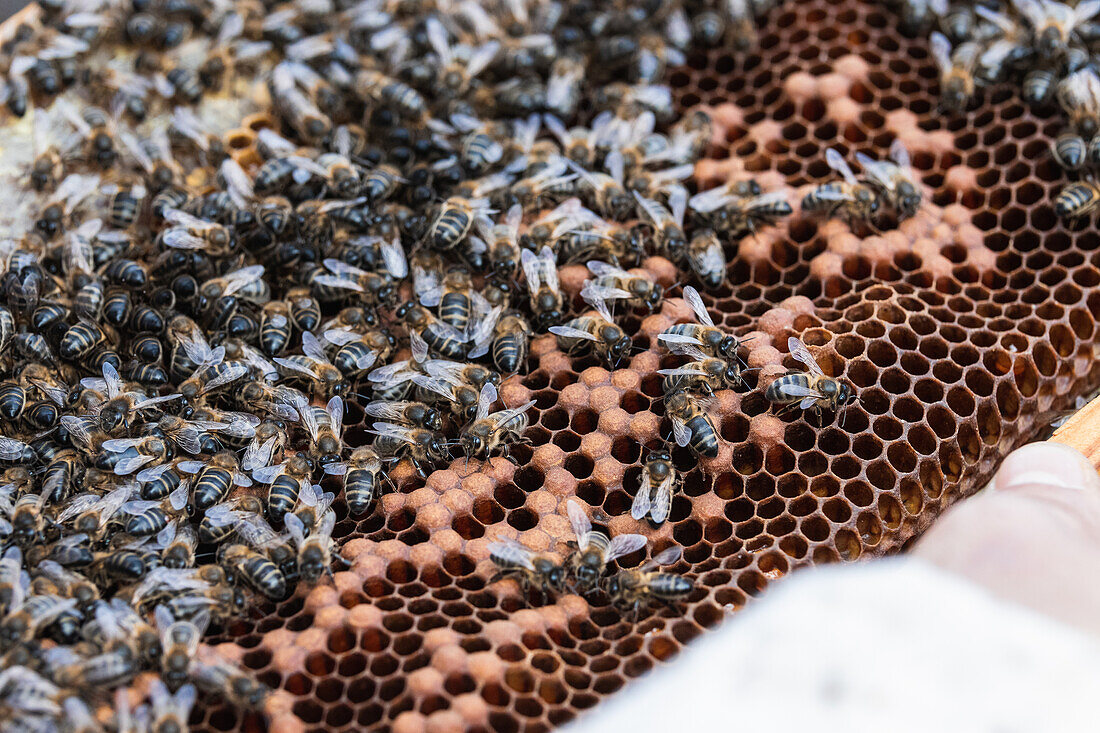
x=963 y=330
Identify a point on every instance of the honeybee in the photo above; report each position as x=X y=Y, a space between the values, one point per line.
x=70 y=193
x=213 y=480
x=191 y=233
x=533 y=570
x=362 y=479
x=1079 y=95
x=543 y=289
x=357 y=351
x=96 y=128
x=668 y=224
x=501 y=242
x=593 y=550
x=323 y=376
x=424 y=447
x=47 y=169
x=405 y=412
x=1054 y=23
x=89 y=514
x=957 y=83
x=636 y=587
x=853 y=200
x=511 y=337
x=1077 y=199
x=225 y=679
x=704 y=334
x=658 y=482
x=315 y=551
x=453 y=295
x=440 y=337
x=613 y=283
x=598 y=332
x=150 y=516
x=123 y=456
x=607 y=193
x=25 y=620
x=255 y=569
x=705 y=374
x=287 y=480
x=811 y=389
x=457 y=215
x=894 y=180
x=268 y=442
x=706 y=258
x=177 y=543
x=691 y=424
x=489 y=431
x=394 y=95
x=325 y=428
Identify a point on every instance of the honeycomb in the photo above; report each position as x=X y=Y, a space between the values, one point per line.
x=964 y=329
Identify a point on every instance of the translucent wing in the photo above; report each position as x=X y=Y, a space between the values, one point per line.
x=602 y=269
x=505 y=417
x=591 y=292
x=668 y=556
x=112 y=381
x=801 y=353
x=624 y=544
x=570 y=332
x=268 y=474
x=679 y=338
x=687 y=348
x=900 y=155
x=296 y=529
x=531 y=269
x=798 y=390
x=677 y=204
x=147 y=403
x=877 y=170
x=229 y=373
x=11 y=449
x=294 y=366
x=662 y=501
x=581 y=525
x=680 y=432
x=312 y=347
x=485 y=400
x=512 y=552
x=691 y=297
x=335 y=410
x=127 y=466
x=838 y=164
x=640 y=507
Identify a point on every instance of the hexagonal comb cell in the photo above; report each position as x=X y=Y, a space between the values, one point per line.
x=960 y=329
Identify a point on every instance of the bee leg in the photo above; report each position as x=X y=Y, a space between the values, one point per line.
x=498 y=576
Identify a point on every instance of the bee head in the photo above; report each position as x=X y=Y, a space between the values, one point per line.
x=404 y=309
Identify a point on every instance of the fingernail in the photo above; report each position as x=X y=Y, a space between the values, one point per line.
x=1049 y=464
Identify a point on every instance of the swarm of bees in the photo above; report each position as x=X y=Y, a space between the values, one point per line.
x=182 y=325
x=1046 y=47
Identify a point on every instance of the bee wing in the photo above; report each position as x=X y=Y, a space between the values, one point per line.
x=710 y=200
x=677 y=204
x=1085 y=10
x=112 y=382
x=531 y=269
x=485 y=399
x=1033 y=10
x=147 y=403
x=244 y=276
x=602 y=269
x=801 y=353
x=268 y=474
x=230 y=373
x=593 y=293
x=11 y=449
x=900 y=155
x=838 y=164
x=829 y=194
x=512 y=552
x=294 y=366
x=333 y=281
x=600 y=305
x=678 y=338
x=389 y=430
x=437 y=38
x=651 y=210
x=136 y=150
x=258 y=454
x=182 y=239
x=393 y=257
x=340 y=336
x=80 y=504
x=570 y=332
x=313 y=348
x=482 y=335
x=126 y=466
x=877 y=170
x=392 y=374
x=624 y=544
x=579 y=520
x=687 y=348
x=335 y=410
x=662 y=501
x=505 y=417
x=668 y=556
x=691 y=297
x=798 y=390
x=680 y=431
x=641 y=505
